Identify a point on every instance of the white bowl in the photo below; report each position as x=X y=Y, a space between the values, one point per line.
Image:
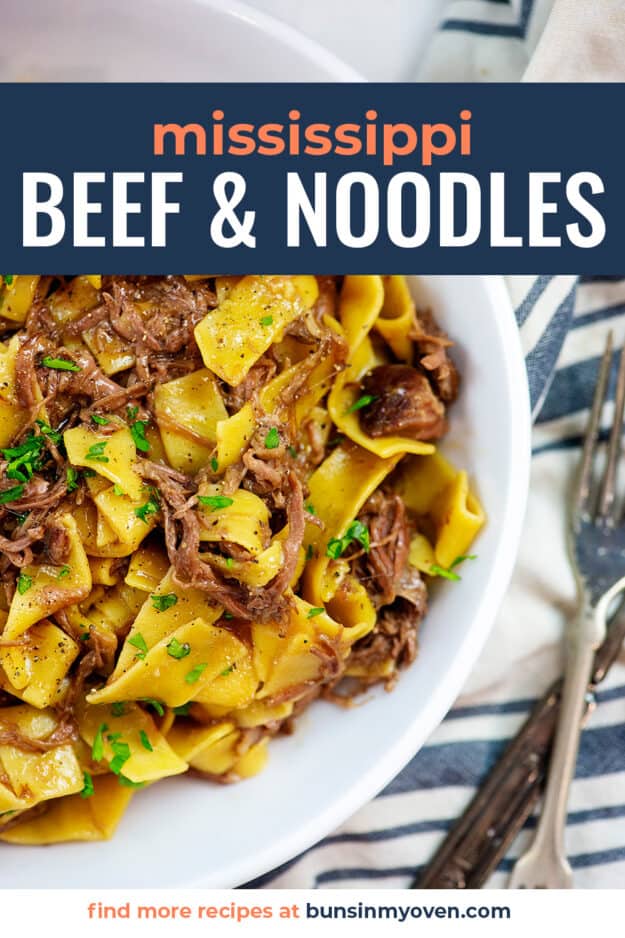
x=186 y=832
x=157 y=40
x=212 y=835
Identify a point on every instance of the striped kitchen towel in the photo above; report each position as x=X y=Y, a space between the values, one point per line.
x=563 y=323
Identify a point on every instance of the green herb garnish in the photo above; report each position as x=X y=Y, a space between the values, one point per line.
x=149 y=508
x=54 y=435
x=448 y=573
x=215 y=501
x=164 y=601
x=356 y=531
x=227 y=671
x=95 y=453
x=152 y=702
x=121 y=754
x=60 y=364
x=88 y=788
x=118 y=490
x=118 y=709
x=97 y=750
x=145 y=741
x=266 y=320
x=127 y=783
x=182 y=710
x=63 y=572
x=137 y=431
x=292 y=452
x=363 y=401
x=214 y=465
x=310 y=509
x=178 y=649
x=195 y=673
x=272 y=440
x=138 y=641
x=11 y=495
x=71 y=479
x=8 y=279
x=101 y=421
x=24 y=583
x=315 y=611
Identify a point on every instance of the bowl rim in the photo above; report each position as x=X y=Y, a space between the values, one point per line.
x=289 y=35
x=289 y=844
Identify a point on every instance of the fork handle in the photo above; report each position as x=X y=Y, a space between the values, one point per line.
x=577 y=677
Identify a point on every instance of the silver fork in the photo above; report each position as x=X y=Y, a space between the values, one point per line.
x=596 y=542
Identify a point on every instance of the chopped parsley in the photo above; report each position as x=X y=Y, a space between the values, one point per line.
x=137 y=431
x=214 y=465
x=315 y=611
x=11 y=495
x=195 y=673
x=88 y=789
x=8 y=279
x=24 y=583
x=149 y=508
x=127 y=783
x=182 y=710
x=356 y=531
x=266 y=321
x=60 y=364
x=95 y=453
x=101 y=421
x=363 y=401
x=121 y=753
x=178 y=650
x=228 y=615
x=292 y=452
x=152 y=702
x=145 y=741
x=132 y=412
x=272 y=440
x=118 y=490
x=63 y=572
x=55 y=435
x=229 y=563
x=138 y=641
x=215 y=501
x=310 y=509
x=71 y=479
x=118 y=709
x=97 y=750
x=310 y=553
x=26 y=458
x=163 y=602
x=448 y=573
x=227 y=671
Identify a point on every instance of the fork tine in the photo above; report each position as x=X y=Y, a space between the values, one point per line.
x=607 y=506
x=581 y=500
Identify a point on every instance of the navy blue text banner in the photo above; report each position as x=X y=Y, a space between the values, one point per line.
x=300 y=177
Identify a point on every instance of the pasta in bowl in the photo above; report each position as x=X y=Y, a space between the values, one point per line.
x=221 y=499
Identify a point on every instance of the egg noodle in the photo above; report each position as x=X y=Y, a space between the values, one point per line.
x=220 y=499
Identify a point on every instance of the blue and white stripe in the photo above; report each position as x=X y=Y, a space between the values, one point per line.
x=563 y=322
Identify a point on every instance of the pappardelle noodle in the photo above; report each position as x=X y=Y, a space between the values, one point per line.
x=220 y=499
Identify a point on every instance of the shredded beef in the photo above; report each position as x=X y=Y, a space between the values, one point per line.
x=396 y=588
x=11 y=735
x=432 y=345
x=403 y=403
x=383 y=565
